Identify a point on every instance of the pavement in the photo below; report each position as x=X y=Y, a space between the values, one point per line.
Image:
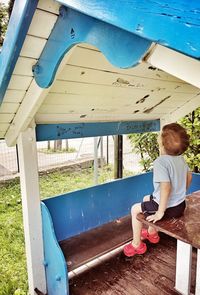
x=84 y=149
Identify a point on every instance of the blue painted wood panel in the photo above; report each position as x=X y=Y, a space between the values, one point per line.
x=80 y=130
x=81 y=210
x=175 y=24
x=19 y=23
x=120 y=47
x=54 y=260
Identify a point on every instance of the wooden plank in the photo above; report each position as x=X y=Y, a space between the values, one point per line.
x=9 y=107
x=183 y=267
x=32 y=47
x=3 y=127
x=49 y=5
x=143 y=274
x=24 y=66
x=93 y=59
x=138 y=97
x=19 y=82
x=82 y=248
x=86 y=89
x=184 y=110
x=197 y=289
x=185 y=228
x=6 y=118
x=175 y=63
x=93 y=76
x=109 y=117
x=14 y=95
x=42 y=24
x=31 y=210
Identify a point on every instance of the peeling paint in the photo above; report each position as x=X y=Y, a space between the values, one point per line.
x=147 y=111
x=136 y=111
x=142 y=99
x=83 y=116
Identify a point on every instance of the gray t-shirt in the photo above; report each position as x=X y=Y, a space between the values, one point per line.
x=171 y=169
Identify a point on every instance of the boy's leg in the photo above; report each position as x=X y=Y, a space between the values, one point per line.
x=136 y=224
x=151 y=230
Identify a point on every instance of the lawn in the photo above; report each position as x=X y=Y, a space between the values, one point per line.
x=13 y=277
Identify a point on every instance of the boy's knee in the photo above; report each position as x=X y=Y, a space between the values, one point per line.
x=146 y=198
x=136 y=208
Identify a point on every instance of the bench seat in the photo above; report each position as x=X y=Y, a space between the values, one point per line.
x=83 y=248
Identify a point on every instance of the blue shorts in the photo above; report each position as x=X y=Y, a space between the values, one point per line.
x=150 y=207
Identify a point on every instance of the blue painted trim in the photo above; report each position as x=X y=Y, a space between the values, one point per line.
x=175 y=24
x=120 y=47
x=195 y=184
x=54 y=260
x=80 y=130
x=19 y=23
x=76 y=212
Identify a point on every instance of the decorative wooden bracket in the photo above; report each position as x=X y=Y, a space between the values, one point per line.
x=122 y=48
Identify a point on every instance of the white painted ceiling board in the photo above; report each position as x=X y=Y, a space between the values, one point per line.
x=32 y=47
x=42 y=24
x=9 y=108
x=49 y=5
x=14 y=95
x=19 y=82
x=24 y=66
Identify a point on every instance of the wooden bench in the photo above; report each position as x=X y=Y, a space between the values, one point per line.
x=85 y=224
x=186 y=230
x=82 y=225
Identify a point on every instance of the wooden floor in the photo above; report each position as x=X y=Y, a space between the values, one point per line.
x=149 y=274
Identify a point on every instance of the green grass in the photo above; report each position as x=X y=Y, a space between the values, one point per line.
x=13 y=276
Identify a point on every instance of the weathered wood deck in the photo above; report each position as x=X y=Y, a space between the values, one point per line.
x=149 y=274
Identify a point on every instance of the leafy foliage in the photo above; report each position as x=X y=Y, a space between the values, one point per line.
x=5 y=12
x=146 y=145
x=192 y=123
x=3 y=22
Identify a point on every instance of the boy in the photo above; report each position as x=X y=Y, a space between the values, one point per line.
x=171 y=178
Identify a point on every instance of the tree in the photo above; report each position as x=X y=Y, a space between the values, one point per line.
x=192 y=123
x=145 y=144
x=3 y=22
x=5 y=12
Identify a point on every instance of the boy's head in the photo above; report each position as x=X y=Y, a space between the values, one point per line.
x=175 y=139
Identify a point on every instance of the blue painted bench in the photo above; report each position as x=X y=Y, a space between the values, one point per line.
x=79 y=221
x=74 y=217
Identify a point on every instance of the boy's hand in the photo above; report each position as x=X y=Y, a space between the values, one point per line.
x=155 y=217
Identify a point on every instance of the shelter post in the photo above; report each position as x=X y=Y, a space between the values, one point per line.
x=31 y=210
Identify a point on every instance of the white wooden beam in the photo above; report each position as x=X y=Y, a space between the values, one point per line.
x=183 y=267
x=176 y=64
x=197 y=290
x=31 y=210
x=188 y=107
x=30 y=104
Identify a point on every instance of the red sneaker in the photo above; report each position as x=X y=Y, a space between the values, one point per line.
x=130 y=250
x=152 y=238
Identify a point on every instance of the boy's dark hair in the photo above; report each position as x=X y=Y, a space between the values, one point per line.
x=175 y=139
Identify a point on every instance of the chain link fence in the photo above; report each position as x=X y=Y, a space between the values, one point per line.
x=58 y=154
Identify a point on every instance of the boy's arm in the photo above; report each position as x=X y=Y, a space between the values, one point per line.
x=165 y=190
x=189 y=180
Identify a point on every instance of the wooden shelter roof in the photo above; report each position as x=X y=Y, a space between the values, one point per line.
x=130 y=62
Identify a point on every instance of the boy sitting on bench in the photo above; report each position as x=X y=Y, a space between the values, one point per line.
x=171 y=178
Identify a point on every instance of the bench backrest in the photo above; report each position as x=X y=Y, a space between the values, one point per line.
x=82 y=210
